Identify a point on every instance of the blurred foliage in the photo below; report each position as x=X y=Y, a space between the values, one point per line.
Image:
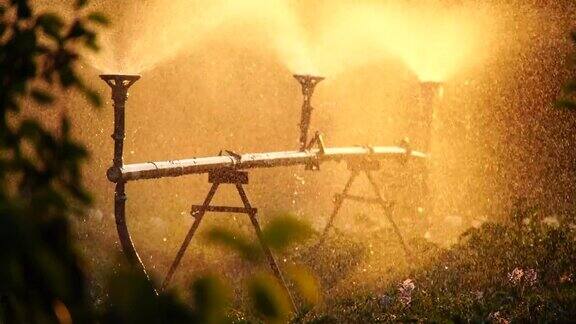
x=285 y=230
x=568 y=99
x=280 y=233
x=307 y=284
x=269 y=299
x=41 y=278
x=131 y=297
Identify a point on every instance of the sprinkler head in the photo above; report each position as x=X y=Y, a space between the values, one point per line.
x=119 y=82
x=120 y=79
x=305 y=77
x=308 y=82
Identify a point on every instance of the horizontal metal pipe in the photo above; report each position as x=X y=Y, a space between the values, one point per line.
x=176 y=168
x=356 y=198
x=222 y=209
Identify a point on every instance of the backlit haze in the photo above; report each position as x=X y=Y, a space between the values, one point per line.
x=218 y=75
x=434 y=41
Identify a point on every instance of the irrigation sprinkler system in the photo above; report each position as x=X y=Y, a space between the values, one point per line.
x=233 y=169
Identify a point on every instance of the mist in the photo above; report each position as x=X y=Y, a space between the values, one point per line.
x=218 y=75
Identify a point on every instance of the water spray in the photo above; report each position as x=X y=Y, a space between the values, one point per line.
x=431 y=93
x=231 y=168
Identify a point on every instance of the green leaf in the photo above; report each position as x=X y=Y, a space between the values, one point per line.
x=80 y=4
x=3 y=27
x=23 y=9
x=90 y=41
x=133 y=298
x=41 y=97
x=76 y=31
x=67 y=76
x=283 y=231
x=570 y=87
x=51 y=24
x=65 y=126
x=99 y=18
x=93 y=97
x=30 y=128
x=25 y=42
x=306 y=283
x=237 y=243
x=565 y=104
x=211 y=299
x=12 y=105
x=269 y=299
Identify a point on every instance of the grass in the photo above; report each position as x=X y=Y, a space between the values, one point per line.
x=523 y=270
x=513 y=272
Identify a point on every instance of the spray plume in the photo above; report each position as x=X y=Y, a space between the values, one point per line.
x=161 y=30
x=434 y=42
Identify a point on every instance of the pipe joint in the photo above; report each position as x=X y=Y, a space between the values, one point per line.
x=114 y=174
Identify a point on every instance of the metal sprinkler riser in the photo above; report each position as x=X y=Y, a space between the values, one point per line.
x=308 y=83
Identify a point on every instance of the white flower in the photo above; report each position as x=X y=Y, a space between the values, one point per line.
x=516 y=276
x=479 y=295
x=551 y=221
x=528 y=277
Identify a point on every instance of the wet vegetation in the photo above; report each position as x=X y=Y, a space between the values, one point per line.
x=60 y=262
x=505 y=272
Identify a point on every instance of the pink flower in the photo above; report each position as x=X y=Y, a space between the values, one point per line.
x=530 y=277
x=405 y=290
x=516 y=276
x=497 y=318
x=386 y=301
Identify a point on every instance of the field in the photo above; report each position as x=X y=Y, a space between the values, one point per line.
x=445 y=129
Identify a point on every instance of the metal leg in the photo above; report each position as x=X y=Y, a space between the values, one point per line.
x=184 y=246
x=387 y=212
x=337 y=206
x=122 y=228
x=271 y=260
